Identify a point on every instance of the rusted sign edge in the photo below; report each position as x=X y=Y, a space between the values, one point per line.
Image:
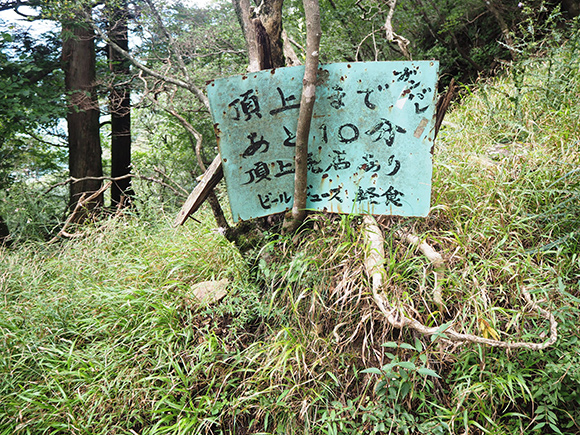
x=211 y=178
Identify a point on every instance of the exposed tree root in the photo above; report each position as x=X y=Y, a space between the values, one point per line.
x=374 y=266
x=436 y=260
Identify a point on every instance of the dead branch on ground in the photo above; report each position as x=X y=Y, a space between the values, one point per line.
x=436 y=260
x=78 y=208
x=181 y=192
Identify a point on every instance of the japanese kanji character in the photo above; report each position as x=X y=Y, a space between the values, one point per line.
x=285 y=101
x=284 y=168
x=391 y=196
x=313 y=164
x=259 y=172
x=249 y=105
x=367 y=195
x=385 y=131
x=338 y=161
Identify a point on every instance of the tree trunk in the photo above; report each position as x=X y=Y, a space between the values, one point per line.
x=313 y=34
x=120 y=106
x=503 y=26
x=263 y=33
x=4 y=232
x=78 y=53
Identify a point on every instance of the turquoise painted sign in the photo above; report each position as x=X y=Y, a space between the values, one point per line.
x=370 y=145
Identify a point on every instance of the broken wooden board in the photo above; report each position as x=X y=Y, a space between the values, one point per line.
x=211 y=178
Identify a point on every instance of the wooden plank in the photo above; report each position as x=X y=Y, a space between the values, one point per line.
x=211 y=178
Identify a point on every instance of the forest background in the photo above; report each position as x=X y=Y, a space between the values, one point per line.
x=102 y=331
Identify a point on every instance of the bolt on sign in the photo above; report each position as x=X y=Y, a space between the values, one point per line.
x=370 y=144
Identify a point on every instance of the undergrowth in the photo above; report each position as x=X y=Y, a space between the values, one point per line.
x=103 y=335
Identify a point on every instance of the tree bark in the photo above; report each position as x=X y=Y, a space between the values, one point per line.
x=313 y=34
x=120 y=106
x=78 y=56
x=401 y=41
x=262 y=30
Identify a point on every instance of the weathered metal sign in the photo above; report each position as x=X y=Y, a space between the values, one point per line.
x=369 y=147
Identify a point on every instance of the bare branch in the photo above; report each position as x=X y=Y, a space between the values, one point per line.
x=503 y=26
x=436 y=260
x=177 y=82
x=193 y=132
x=78 y=207
x=168 y=178
x=401 y=41
x=211 y=197
x=362 y=42
x=182 y=192
x=289 y=53
x=242 y=8
x=172 y=45
x=39 y=139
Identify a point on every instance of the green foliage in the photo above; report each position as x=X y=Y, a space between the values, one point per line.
x=466 y=37
x=31 y=213
x=81 y=323
x=31 y=102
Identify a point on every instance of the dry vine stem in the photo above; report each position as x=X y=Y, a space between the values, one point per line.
x=374 y=266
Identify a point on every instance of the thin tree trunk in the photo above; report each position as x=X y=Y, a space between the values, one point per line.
x=503 y=26
x=212 y=198
x=460 y=49
x=4 y=231
x=78 y=53
x=120 y=106
x=313 y=34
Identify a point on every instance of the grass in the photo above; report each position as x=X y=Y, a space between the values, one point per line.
x=102 y=335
